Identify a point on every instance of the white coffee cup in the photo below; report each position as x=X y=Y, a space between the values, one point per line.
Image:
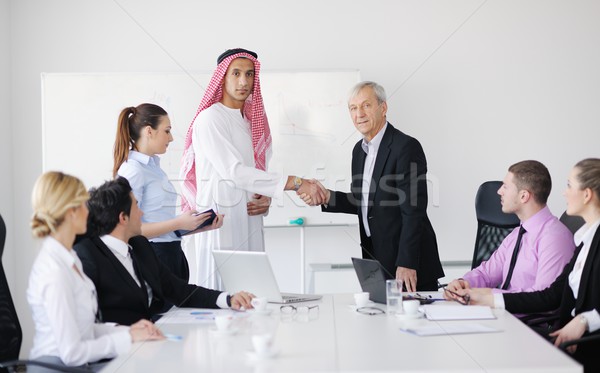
x=262 y=344
x=361 y=299
x=223 y=322
x=259 y=303
x=411 y=307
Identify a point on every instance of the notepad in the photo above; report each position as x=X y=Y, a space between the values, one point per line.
x=437 y=329
x=456 y=312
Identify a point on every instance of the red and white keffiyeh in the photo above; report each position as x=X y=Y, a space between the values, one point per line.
x=253 y=109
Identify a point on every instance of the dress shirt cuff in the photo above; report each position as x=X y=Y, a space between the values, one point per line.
x=121 y=340
x=222 y=300
x=593 y=320
x=498 y=301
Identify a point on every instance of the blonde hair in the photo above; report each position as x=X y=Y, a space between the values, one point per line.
x=54 y=194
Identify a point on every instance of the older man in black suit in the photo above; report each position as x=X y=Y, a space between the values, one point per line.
x=130 y=280
x=389 y=194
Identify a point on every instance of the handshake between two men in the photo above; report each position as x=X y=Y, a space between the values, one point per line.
x=313 y=193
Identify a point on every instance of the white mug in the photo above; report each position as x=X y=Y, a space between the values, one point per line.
x=361 y=299
x=411 y=307
x=259 y=304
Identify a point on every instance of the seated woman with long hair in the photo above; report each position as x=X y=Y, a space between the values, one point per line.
x=62 y=298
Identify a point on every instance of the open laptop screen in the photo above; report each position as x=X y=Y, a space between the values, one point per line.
x=371 y=277
x=251 y=271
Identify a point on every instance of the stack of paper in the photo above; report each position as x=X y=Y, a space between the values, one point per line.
x=437 y=329
x=456 y=312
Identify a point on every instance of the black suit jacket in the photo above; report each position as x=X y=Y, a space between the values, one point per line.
x=120 y=299
x=560 y=296
x=401 y=233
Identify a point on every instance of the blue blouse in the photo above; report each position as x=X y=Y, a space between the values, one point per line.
x=156 y=195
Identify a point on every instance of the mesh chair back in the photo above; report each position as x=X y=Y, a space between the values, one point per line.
x=492 y=224
x=572 y=222
x=10 y=329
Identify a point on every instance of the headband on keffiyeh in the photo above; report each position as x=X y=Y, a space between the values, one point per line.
x=253 y=110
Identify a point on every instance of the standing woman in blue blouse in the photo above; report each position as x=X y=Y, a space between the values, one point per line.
x=142 y=133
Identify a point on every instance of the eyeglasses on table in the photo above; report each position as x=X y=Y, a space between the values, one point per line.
x=288 y=309
x=371 y=311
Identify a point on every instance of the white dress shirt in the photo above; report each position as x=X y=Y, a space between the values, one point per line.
x=371 y=148
x=63 y=304
x=584 y=235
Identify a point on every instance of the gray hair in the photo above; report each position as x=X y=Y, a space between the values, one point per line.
x=379 y=91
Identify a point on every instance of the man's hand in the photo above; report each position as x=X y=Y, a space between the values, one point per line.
x=478 y=296
x=259 y=205
x=241 y=299
x=454 y=287
x=408 y=277
x=313 y=193
x=573 y=330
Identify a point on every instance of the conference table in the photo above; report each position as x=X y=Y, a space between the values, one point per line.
x=336 y=338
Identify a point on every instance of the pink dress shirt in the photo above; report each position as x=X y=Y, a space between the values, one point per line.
x=545 y=250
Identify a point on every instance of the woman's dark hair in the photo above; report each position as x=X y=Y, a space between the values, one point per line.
x=132 y=121
x=106 y=204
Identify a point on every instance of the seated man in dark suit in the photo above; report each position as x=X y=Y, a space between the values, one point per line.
x=131 y=282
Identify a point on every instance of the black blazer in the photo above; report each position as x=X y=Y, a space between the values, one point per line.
x=120 y=299
x=559 y=295
x=401 y=233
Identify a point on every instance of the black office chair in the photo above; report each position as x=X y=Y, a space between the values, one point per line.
x=10 y=328
x=492 y=224
x=572 y=222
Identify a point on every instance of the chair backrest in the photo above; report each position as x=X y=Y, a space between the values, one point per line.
x=10 y=329
x=572 y=222
x=492 y=224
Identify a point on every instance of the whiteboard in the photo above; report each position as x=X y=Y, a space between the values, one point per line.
x=313 y=134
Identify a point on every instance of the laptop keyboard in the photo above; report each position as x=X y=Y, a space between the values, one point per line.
x=291 y=298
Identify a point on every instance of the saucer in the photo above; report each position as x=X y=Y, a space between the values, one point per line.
x=257 y=312
x=413 y=316
x=230 y=331
x=269 y=355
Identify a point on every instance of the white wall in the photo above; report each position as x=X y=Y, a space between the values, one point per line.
x=482 y=84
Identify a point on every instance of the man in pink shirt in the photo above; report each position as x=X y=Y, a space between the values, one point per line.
x=545 y=246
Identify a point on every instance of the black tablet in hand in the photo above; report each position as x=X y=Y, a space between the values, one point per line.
x=209 y=221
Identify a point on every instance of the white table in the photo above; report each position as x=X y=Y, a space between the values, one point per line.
x=338 y=339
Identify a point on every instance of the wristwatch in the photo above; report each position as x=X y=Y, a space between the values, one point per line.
x=228 y=300
x=297 y=183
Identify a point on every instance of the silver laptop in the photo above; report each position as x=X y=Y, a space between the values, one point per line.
x=251 y=271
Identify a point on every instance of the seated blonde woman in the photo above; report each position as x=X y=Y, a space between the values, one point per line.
x=62 y=298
